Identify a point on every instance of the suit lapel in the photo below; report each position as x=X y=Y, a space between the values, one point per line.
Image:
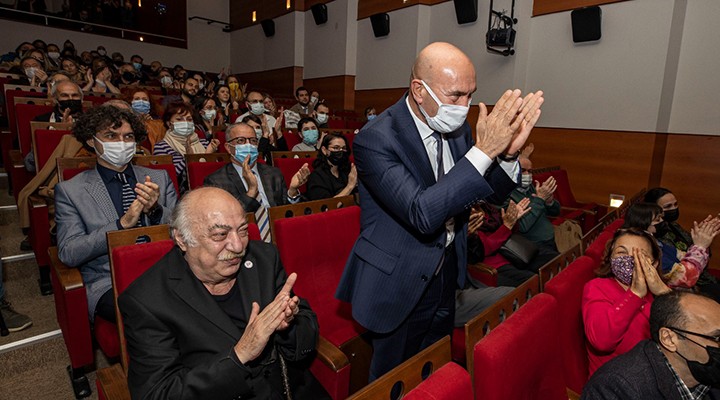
x=269 y=184
x=234 y=179
x=413 y=149
x=96 y=189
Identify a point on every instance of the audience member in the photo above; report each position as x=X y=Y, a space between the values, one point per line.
x=333 y=175
x=255 y=106
x=237 y=92
x=256 y=185
x=71 y=66
x=616 y=304
x=181 y=139
x=189 y=91
x=128 y=75
x=144 y=106
x=268 y=141
x=193 y=321
x=114 y=195
x=681 y=361
x=67 y=103
x=322 y=115
x=53 y=56
x=370 y=113
x=208 y=116
x=309 y=133
x=35 y=74
x=535 y=225
x=270 y=106
x=42 y=58
x=673 y=234
x=303 y=106
x=99 y=79
x=226 y=108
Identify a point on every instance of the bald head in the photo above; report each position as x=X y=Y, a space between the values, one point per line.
x=195 y=206
x=442 y=59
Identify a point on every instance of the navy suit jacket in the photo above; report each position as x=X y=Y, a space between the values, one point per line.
x=404 y=210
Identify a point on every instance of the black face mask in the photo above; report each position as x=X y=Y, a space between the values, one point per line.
x=709 y=373
x=188 y=94
x=75 y=106
x=118 y=63
x=672 y=215
x=661 y=229
x=338 y=158
x=129 y=76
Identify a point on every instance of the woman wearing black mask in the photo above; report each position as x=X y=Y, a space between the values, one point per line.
x=333 y=174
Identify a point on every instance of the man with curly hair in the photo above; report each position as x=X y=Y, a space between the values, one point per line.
x=112 y=196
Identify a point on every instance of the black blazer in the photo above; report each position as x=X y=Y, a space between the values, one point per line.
x=179 y=339
x=273 y=182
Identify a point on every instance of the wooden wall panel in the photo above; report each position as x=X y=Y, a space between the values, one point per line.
x=338 y=91
x=378 y=98
x=278 y=82
x=241 y=11
x=541 y=7
x=692 y=171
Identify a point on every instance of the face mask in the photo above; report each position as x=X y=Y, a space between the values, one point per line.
x=221 y=82
x=257 y=108
x=322 y=118
x=188 y=94
x=30 y=72
x=183 y=128
x=201 y=85
x=234 y=86
x=448 y=118
x=141 y=106
x=137 y=66
x=661 y=229
x=708 y=373
x=166 y=81
x=54 y=55
x=75 y=106
x=117 y=153
x=209 y=115
x=244 y=150
x=118 y=63
x=310 y=137
x=313 y=99
x=258 y=133
x=338 y=158
x=672 y=215
x=622 y=267
x=129 y=76
x=371 y=117
x=102 y=52
x=526 y=180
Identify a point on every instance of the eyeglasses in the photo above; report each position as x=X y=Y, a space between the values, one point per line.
x=337 y=148
x=715 y=338
x=115 y=137
x=241 y=140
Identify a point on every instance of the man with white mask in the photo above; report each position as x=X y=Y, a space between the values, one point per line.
x=255 y=106
x=112 y=196
x=420 y=171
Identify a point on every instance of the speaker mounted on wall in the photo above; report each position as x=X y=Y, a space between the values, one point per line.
x=586 y=23
x=380 y=24
x=268 y=26
x=466 y=11
x=320 y=14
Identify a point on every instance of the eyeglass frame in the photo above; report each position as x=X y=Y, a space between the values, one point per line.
x=245 y=140
x=715 y=339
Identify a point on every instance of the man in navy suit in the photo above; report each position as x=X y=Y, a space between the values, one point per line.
x=420 y=173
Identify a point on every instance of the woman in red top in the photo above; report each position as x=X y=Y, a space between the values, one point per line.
x=616 y=305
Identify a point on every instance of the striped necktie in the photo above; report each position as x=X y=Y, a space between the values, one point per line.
x=128 y=196
x=262 y=216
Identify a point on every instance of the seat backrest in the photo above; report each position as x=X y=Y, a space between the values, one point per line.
x=291 y=138
x=307 y=208
x=24 y=113
x=564 y=193
x=290 y=166
x=493 y=316
x=450 y=382
x=212 y=157
x=557 y=264
x=163 y=162
x=519 y=359
x=67 y=168
x=336 y=123
x=198 y=171
x=408 y=375
x=10 y=96
x=567 y=289
x=44 y=142
x=317 y=247
x=293 y=154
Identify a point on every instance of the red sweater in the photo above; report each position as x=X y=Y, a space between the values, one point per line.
x=615 y=320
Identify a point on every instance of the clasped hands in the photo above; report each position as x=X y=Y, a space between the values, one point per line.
x=507 y=127
x=147 y=195
x=276 y=316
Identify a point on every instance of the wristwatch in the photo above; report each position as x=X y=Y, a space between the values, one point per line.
x=513 y=157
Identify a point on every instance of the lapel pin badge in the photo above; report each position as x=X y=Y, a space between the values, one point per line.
x=248 y=264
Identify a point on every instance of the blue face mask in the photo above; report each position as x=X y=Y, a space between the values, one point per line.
x=310 y=137
x=141 y=106
x=371 y=117
x=137 y=66
x=244 y=150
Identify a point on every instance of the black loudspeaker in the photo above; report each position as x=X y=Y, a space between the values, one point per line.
x=586 y=24
x=319 y=12
x=466 y=11
x=268 y=26
x=380 y=24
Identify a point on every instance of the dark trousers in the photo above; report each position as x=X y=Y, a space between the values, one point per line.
x=547 y=250
x=431 y=320
x=105 y=307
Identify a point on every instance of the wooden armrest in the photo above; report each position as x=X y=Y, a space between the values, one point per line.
x=483 y=269
x=572 y=395
x=113 y=382
x=70 y=278
x=17 y=159
x=331 y=355
x=37 y=201
x=591 y=212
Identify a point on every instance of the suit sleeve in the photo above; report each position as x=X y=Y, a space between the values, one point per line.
x=388 y=179
x=215 y=180
x=168 y=197
x=156 y=372
x=76 y=246
x=609 y=386
x=537 y=211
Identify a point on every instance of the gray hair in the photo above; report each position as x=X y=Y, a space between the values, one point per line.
x=229 y=128
x=117 y=103
x=54 y=88
x=182 y=224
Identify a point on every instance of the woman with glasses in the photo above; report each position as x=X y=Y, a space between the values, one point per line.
x=333 y=174
x=616 y=304
x=207 y=116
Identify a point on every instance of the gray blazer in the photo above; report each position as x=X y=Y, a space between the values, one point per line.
x=84 y=213
x=273 y=183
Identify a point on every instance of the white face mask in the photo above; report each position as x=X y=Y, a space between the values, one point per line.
x=448 y=118
x=183 y=128
x=526 y=180
x=209 y=115
x=30 y=72
x=118 y=154
x=166 y=81
x=257 y=108
x=258 y=133
x=313 y=99
x=54 y=55
x=322 y=118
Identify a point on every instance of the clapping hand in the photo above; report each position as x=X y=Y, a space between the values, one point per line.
x=514 y=212
x=546 y=189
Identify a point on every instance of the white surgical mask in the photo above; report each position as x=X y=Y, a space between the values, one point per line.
x=30 y=72
x=166 y=80
x=183 y=128
x=449 y=117
x=322 y=118
x=54 y=55
x=526 y=180
x=118 y=154
x=209 y=115
x=257 y=108
x=258 y=133
x=313 y=99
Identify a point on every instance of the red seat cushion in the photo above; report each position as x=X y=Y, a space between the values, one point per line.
x=290 y=166
x=129 y=262
x=316 y=247
x=519 y=358
x=198 y=171
x=291 y=139
x=24 y=114
x=46 y=140
x=450 y=382
x=106 y=335
x=170 y=169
